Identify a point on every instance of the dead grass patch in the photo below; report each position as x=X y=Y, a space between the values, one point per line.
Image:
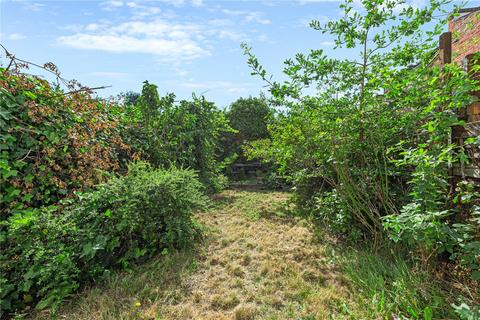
x=256 y=263
x=245 y=312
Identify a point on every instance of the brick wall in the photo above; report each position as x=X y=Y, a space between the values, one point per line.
x=465 y=35
x=463 y=39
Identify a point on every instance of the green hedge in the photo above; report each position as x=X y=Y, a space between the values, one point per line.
x=47 y=253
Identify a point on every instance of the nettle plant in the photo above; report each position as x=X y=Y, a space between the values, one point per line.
x=375 y=129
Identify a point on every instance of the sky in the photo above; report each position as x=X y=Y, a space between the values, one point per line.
x=182 y=46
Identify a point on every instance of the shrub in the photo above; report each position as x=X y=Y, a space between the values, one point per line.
x=465 y=312
x=47 y=253
x=51 y=143
x=377 y=129
x=330 y=210
x=249 y=118
x=167 y=133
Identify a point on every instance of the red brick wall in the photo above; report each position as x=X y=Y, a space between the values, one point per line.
x=465 y=35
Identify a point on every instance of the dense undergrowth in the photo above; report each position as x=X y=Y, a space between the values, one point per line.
x=76 y=203
x=48 y=252
x=91 y=185
x=369 y=151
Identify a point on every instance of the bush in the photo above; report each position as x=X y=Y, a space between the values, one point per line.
x=185 y=133
x=249 y=118
x=331 y=211
x=357 y=127
x=51 y=143
x=47 y=253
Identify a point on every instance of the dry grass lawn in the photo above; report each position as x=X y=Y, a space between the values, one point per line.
x=256 y=262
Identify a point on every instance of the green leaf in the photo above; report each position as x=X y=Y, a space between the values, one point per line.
x=476 y=275
x=30 y=95
x=428 y=313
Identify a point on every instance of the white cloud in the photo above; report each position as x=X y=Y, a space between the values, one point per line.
x=115 y=3
x=327 y=43
x=256 y=17
x=226 y=86
x=15 y=36
x=248 y=16
x=159 y=31
x=178 y=3
x=304 y=2
x=234 y=12
x=142 y=11
x=92 y=27
x=159 y=37
x=220 y=22
x=166 y=48
x=175 y=3
x=112 y=4
x=231 y=35
x=33 y=6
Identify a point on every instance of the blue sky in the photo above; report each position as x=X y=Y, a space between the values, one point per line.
x=183 y=46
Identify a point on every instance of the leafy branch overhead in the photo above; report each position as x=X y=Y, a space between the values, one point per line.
x=374 y=132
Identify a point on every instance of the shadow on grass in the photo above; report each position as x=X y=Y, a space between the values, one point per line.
x=222 y=200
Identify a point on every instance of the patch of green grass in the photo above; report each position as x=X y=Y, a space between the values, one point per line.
x=388 y=285
x=225 y=301
x=259 y=204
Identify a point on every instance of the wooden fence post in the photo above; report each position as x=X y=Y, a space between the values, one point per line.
x=445 y=48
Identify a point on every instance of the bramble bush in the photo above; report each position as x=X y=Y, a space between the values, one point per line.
x=49 y=252
x=52 y=143
x=66 y=218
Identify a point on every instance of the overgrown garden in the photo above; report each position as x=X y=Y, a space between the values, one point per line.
x=368 y=152
x=91 y=185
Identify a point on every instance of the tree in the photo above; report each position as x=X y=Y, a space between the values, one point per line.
x=249 y=117
x=169 y=133
x=374 y=135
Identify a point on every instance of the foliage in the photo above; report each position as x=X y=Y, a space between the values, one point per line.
x=428 y=219
x=249 y=118
x=333 y=213
x=51 y=143
x=465 y=312
x=375 y=131
x=47 y=253
x=184 y=134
